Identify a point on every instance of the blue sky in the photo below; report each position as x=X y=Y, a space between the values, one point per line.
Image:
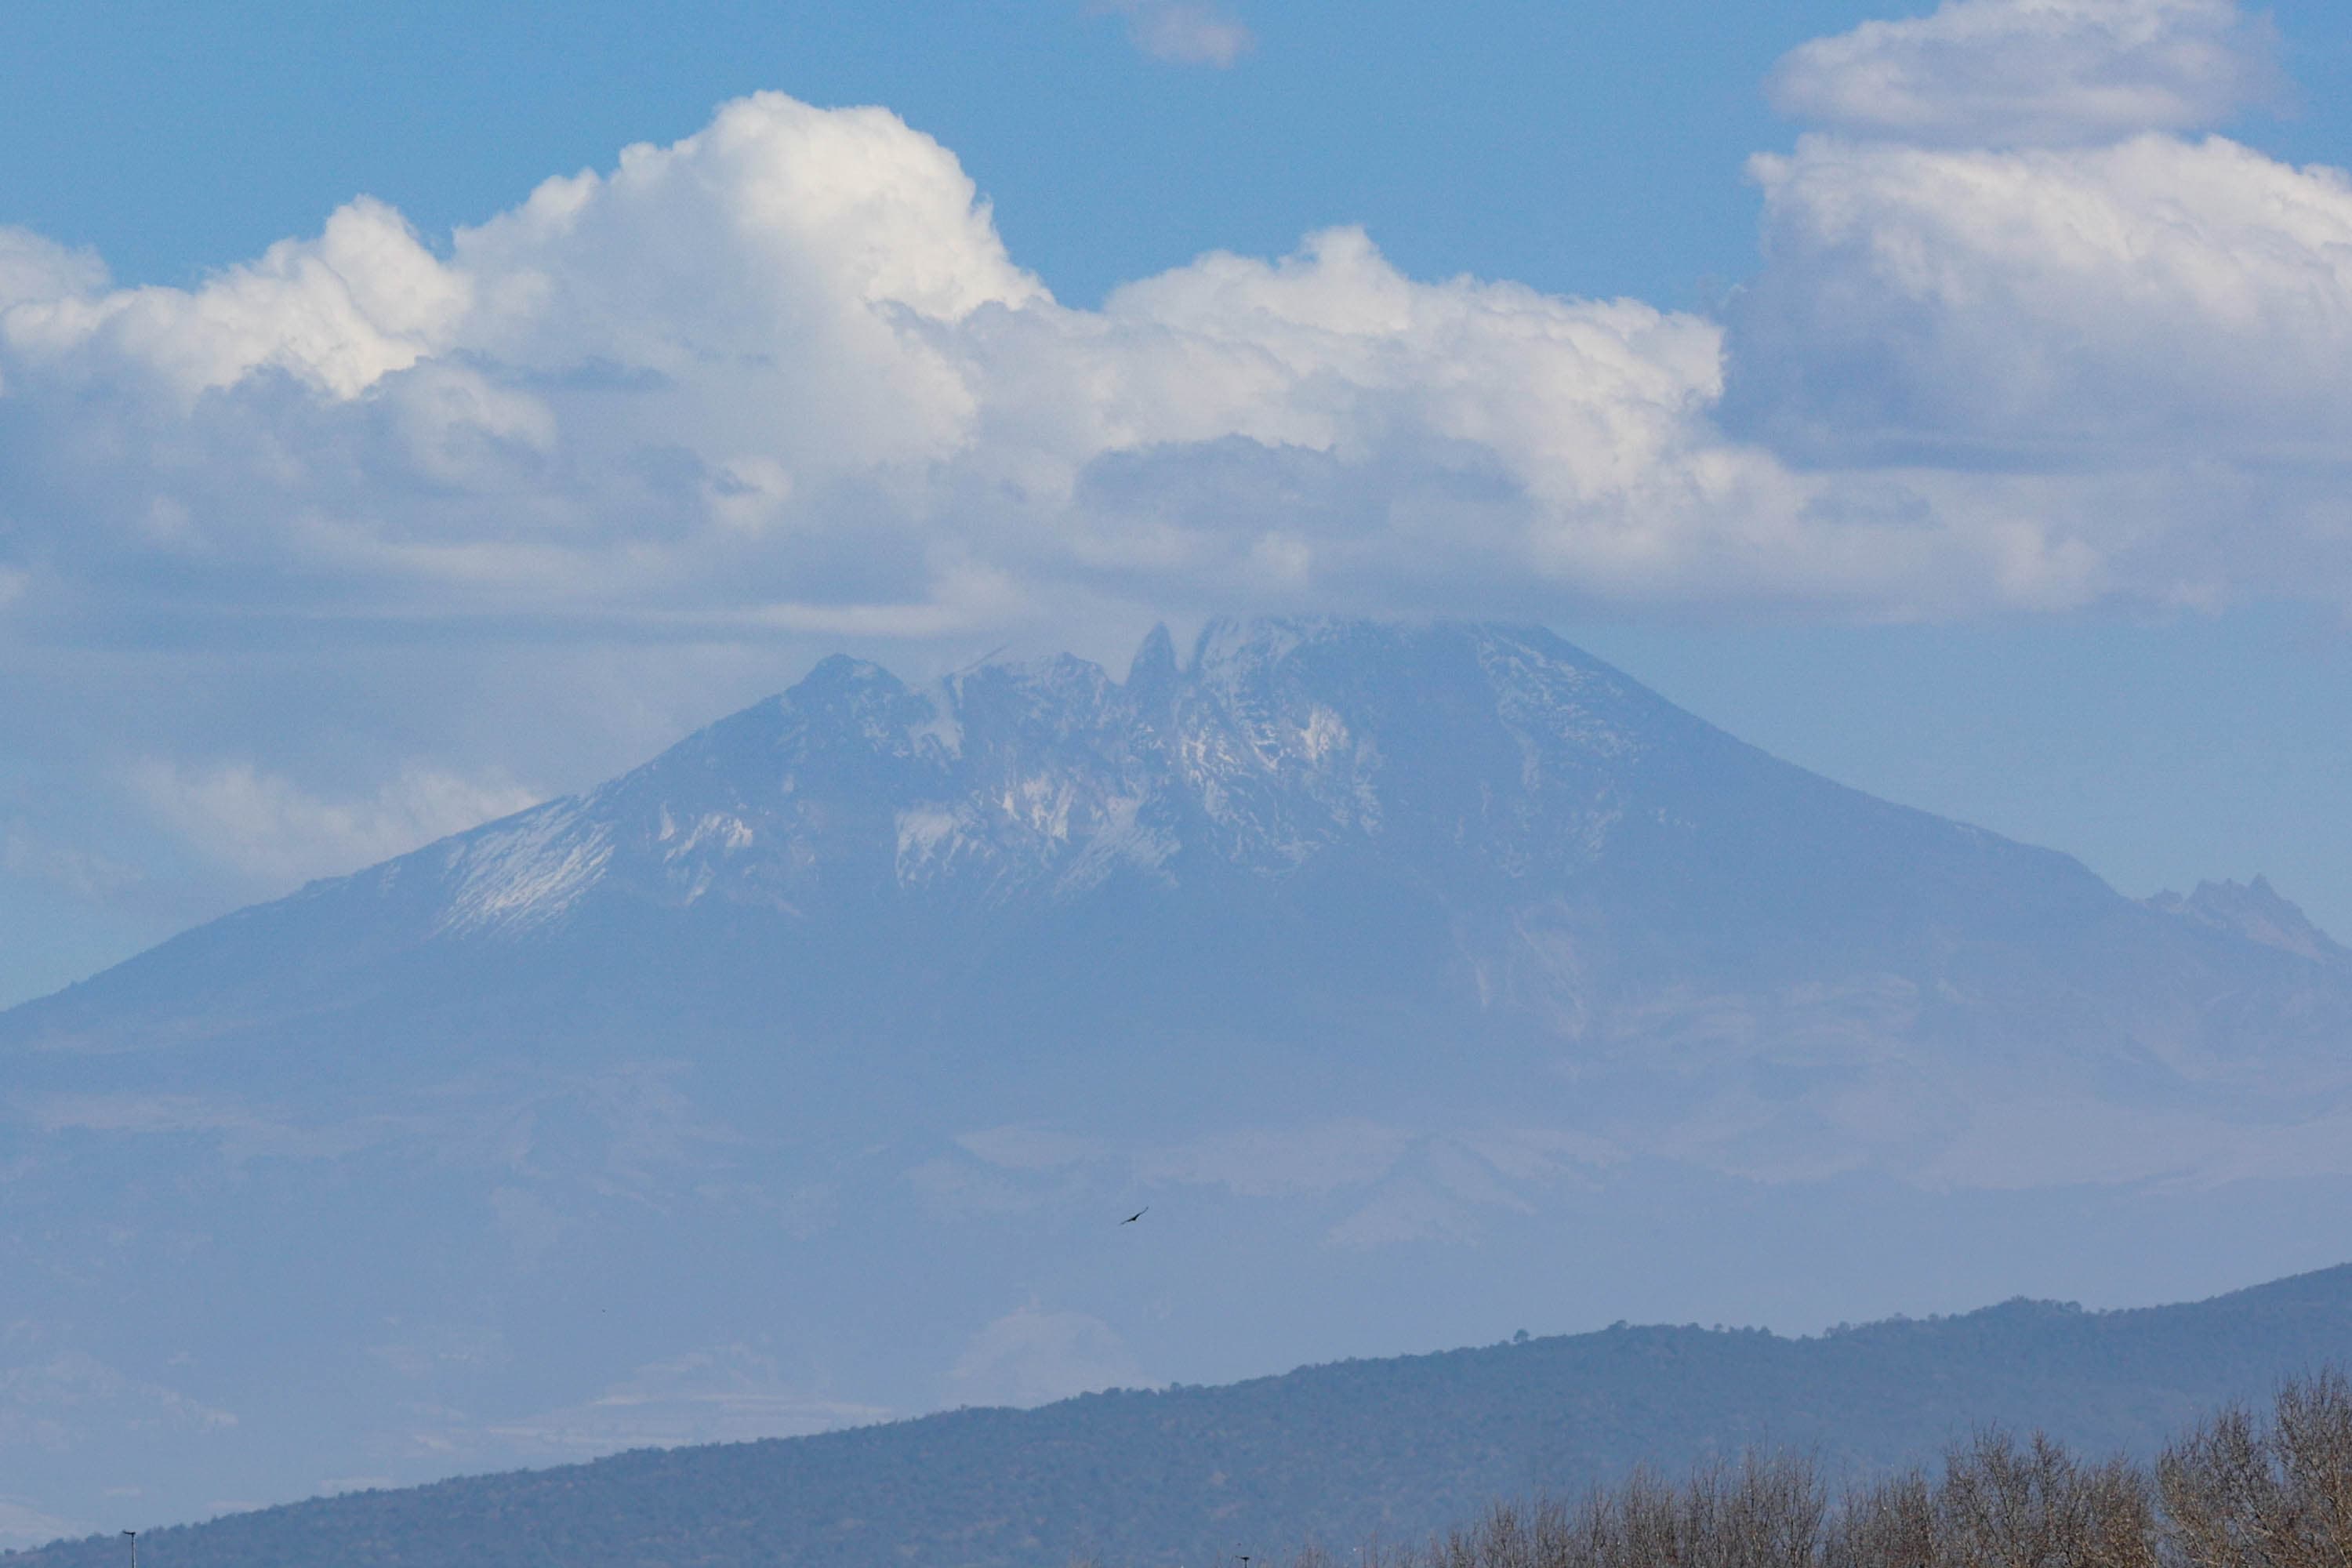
x=1984 y=451
x=1530 y=141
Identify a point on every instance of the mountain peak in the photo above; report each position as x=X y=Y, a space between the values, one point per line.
x=2256 y=911
x=840 y=672
x=1155 y=662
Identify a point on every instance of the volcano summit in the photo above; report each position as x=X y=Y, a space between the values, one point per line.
x=1423 y=980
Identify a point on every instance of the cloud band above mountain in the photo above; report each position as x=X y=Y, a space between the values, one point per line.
x=783 y=374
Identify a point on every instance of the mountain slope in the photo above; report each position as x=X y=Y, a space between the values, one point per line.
x=1482 y=825
x=816 y=1054
x=1336 y=1453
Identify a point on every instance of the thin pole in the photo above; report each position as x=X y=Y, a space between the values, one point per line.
x=132 y=1537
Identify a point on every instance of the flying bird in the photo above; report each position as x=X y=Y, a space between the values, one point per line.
x=1137 y=1215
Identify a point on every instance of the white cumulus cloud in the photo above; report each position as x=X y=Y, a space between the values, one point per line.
x=2019 y=297
x=339 y=312
x=2157 y=295
x=784 y=375
x=2005 y=72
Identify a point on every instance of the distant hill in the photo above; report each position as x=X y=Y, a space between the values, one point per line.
x=1336 y=1453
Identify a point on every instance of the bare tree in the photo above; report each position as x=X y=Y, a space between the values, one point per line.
x=2240 y=1492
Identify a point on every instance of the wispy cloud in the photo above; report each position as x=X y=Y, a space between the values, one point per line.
x=2010 y=72
x=726 y=1393
x=1185 y=32
x=243 y=1131
x=23 y=1527
x=84 y=874
x=1033 y=1355
x=69 y=1398
x=270 y=830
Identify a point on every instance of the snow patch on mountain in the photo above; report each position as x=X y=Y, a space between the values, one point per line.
x=930 y=838
x=1124 y=841
x=526 y=871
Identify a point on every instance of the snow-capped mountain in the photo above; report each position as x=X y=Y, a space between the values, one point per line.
x=1415 y=976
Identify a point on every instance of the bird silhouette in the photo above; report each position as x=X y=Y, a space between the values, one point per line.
x=1137 y=1215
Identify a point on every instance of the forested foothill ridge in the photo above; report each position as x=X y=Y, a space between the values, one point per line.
x=1394 y=1449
